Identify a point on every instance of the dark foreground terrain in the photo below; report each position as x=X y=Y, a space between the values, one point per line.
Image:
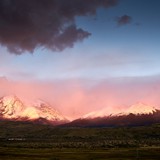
x=25 y=140
x=79 y=154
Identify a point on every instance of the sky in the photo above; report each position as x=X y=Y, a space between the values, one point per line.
x=81 y=55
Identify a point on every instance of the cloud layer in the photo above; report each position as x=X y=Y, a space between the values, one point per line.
x=123 y=20
x=26 y=25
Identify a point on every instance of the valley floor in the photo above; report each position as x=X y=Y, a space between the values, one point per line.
x=27 y=141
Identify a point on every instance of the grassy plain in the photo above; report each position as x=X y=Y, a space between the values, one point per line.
x=27 y=141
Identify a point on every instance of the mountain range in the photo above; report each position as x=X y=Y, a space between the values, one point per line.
x=12 y=108
x=138 y=114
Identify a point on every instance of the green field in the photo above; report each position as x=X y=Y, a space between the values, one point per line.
x=24 y=140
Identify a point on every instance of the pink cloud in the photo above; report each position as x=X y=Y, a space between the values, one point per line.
x=77 y=97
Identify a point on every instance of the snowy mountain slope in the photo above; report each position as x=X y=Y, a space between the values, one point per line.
x=136 y=115
x=11 y=107
x=141 y=108
x=136 y=109
x=47 y=112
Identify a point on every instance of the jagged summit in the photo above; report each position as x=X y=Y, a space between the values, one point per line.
x=11 y=107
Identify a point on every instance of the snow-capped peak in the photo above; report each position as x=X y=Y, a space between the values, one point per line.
x=141 y=108
x=12 y=107
x=9 y=100
x=137 y=109
x=47 y=112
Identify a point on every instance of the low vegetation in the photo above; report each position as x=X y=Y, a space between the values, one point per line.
x=25 y=140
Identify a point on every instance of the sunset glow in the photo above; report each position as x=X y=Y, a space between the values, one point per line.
x=104 y=56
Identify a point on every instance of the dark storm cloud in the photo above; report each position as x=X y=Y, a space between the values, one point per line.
x=123 y=20
x=28 y=24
